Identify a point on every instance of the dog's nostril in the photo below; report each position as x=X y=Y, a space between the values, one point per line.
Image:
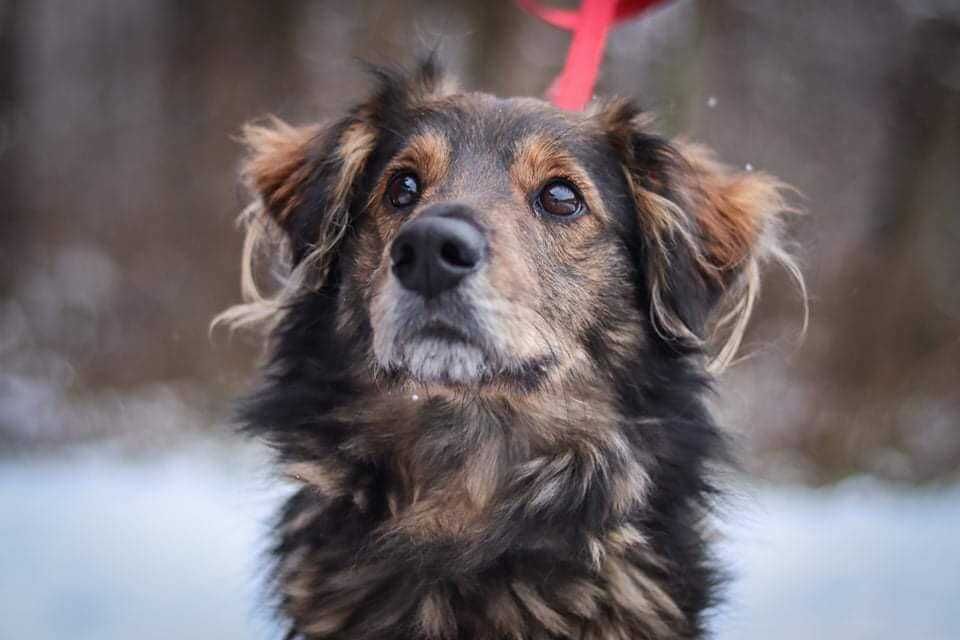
x=404 y=256
x=404 y=259
x=458 y=255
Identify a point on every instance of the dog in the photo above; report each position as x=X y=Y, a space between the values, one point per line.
x=488 y=351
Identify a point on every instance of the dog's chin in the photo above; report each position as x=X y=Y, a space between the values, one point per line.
x=437 y=361
x=448 y=345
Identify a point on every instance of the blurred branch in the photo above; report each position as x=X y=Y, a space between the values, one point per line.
x=10 y=11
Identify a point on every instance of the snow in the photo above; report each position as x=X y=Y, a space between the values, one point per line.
x=94 y=544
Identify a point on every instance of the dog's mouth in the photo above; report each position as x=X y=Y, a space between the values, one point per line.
x=446 y=334
x=436 y=351
x=440 y=352
x=467 y=337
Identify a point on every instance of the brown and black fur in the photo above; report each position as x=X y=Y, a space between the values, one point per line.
x=559 y=488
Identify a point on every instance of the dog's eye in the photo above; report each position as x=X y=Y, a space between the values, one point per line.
x=403 y=190
x=559 y=198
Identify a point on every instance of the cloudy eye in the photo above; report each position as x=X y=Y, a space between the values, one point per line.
x=560 y=198
x=403 y=190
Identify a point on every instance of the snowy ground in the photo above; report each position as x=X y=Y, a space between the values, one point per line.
x=100 y=545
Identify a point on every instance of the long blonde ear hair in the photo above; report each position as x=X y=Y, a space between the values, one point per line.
x=303 y=180
x=281 y=165
x=731 y=222
x=728 y=222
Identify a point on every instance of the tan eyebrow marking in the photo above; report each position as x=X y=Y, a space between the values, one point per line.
x=538 y=158
x=427 y=153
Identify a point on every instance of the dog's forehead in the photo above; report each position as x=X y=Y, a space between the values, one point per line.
x=482 y=130
x=479 y=119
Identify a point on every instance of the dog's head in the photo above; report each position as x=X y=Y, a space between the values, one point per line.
x=471 y=241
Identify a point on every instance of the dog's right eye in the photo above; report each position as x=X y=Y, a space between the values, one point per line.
x=560 y=199
x=403 y=190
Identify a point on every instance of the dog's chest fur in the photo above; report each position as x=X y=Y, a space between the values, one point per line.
x=521 y=518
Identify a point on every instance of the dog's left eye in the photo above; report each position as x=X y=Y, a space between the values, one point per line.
x=560 y=198
x=403 y=190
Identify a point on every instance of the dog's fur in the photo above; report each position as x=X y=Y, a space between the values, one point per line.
x=546 y=474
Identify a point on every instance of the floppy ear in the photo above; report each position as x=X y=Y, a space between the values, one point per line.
x=303 y=179
x=305 y=182
x=706 y=229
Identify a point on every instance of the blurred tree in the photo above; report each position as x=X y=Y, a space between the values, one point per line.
x=119 y=186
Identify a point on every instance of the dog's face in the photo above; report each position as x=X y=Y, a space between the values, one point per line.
x=485 y=243
x=492 y=244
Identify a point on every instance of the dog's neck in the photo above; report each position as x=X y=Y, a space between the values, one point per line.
x=456 y=459
x=416 y=491
x=451 y=457
x=425 y=487
x=470 y=484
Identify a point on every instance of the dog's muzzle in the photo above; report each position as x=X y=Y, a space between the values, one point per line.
x=436 y=251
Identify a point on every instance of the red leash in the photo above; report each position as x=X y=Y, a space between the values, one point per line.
x=573 y=88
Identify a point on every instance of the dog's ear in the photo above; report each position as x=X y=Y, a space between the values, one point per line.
x=306 y=181
x=706 y=228
x=305 y=178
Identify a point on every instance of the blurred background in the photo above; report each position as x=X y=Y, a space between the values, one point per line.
x=129 y=509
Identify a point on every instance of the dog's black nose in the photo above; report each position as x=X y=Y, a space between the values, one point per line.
x=437 y=250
